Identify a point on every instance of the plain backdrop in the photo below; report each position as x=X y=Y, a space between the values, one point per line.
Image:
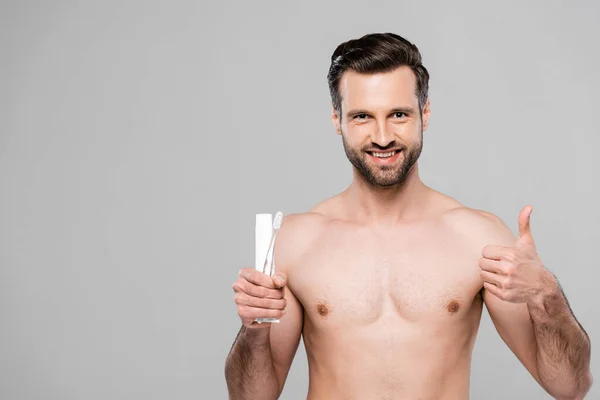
x=138 y=139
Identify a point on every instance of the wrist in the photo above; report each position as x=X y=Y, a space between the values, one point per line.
x=258 y=338
x=549 y=301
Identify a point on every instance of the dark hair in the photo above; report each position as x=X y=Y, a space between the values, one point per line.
x=374 y=53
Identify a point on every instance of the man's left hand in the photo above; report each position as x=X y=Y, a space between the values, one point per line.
x=515 y=274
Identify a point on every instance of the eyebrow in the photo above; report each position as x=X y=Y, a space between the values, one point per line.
x=405 y=110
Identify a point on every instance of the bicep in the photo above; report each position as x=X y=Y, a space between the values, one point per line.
x=285 y=337
x=513 y=323
x=511 y=320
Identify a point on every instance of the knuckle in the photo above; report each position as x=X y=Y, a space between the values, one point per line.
x=238 y=286
x=250 y=274
x=268 y=303
x=243 y=311
x=510 y=256
x=260 y=302
x=238 y=298
x=278 y=304
x=263 y=292
x=254 y=290
x=511 y=270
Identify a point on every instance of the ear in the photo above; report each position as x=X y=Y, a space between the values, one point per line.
x=426 y=115
x=336 y=120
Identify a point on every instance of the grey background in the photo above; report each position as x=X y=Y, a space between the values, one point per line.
x=138 y=139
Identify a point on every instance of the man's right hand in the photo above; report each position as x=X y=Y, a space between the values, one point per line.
x=258 y=295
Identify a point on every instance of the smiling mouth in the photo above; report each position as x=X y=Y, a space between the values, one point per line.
x=384 y=154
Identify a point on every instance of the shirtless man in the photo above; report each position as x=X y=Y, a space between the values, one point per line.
x=386 y=281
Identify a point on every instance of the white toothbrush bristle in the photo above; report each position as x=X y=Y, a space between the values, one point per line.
x=277 y=220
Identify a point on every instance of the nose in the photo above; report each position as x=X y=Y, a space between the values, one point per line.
x=382 y=136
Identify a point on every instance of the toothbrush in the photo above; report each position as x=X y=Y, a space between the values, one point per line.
x=269 y=267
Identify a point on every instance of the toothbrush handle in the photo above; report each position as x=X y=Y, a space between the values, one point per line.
x=269 y=267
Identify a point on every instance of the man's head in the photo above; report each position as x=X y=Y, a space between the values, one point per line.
x=379 y=93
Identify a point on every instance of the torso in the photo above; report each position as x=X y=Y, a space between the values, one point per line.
x=389 y=313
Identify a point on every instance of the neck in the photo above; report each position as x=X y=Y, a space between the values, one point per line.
x=386 y=205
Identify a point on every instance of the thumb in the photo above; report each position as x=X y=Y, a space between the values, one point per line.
x=279 y=279
x=525 y=236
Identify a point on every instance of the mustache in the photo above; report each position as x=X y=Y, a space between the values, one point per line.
x=385 y=149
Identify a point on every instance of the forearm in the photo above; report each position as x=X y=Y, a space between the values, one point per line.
x=249 y=369
x=563 y=347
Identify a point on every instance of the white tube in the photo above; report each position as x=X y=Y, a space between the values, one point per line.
x=262 y=238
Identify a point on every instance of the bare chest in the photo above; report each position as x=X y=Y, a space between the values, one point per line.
x=359 y=278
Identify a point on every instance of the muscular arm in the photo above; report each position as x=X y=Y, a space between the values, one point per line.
x=542 y=331
x=260 y=359
x=548 y=340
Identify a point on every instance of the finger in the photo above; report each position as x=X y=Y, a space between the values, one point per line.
x=251 y=313
x=257 y=277
x=494 y=252
x=490 y=265
x=242 y=285
x=493 y=289
x=279 y=280
x=525 y=236
x=243 y=299
x=490 y=277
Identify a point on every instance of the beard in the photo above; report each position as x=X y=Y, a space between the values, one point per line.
x=384 y=175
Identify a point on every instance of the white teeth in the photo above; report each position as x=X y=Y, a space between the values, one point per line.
x=384 y=155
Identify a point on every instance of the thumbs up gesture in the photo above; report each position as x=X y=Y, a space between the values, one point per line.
x=515 y=274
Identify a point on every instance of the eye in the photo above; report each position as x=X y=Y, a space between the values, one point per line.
x=399 y=114
x=360 y=116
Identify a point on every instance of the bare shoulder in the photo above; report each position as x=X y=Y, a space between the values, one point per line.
x=298 y=233
x=306 y=226
x=478 y=225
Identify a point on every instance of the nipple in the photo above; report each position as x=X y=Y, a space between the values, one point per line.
x=453 y=307
x=322 y=309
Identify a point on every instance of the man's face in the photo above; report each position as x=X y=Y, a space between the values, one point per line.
x=380 y=125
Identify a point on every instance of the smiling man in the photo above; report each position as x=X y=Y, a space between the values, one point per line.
x=386 y=281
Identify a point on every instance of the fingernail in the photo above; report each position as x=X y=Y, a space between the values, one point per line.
x=280 y=277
